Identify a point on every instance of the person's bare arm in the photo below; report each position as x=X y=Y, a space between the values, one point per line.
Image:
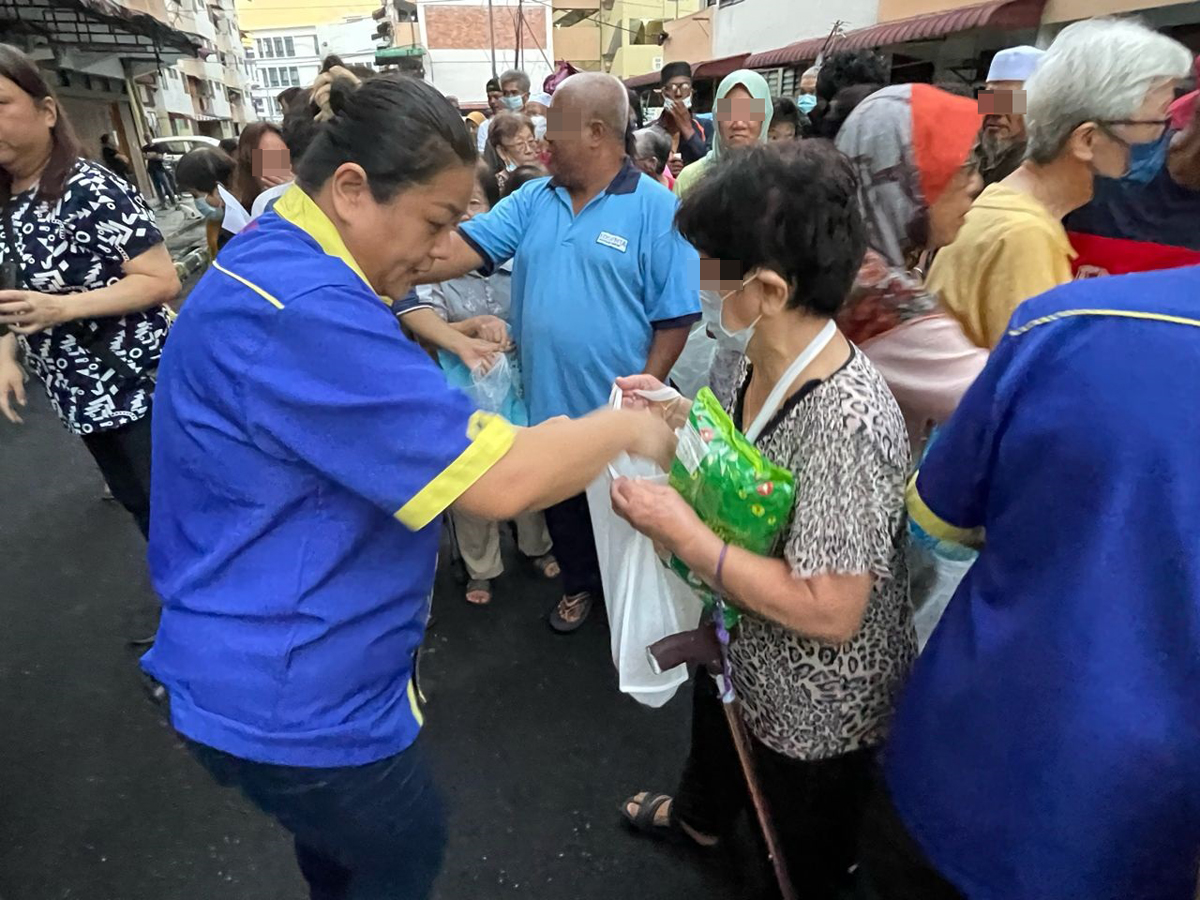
x=461 y=259
x=428 y=325
x=559 y=459
x=149 y=281
x=665 y=348
x=825 y=607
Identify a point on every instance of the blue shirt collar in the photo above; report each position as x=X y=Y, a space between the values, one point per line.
x=625 y=182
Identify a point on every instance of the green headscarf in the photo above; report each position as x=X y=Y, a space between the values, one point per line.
x=757 y=86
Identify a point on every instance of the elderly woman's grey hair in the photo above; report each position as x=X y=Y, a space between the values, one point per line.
x=653 y=142
x=1096 y=70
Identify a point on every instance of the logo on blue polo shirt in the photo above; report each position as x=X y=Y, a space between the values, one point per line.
x=612 y=240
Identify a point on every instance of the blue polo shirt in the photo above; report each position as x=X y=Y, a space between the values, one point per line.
x=588 y=290
x=303 y=451
x=1048 y=743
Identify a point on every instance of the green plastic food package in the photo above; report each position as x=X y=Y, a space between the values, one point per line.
x=737 y=492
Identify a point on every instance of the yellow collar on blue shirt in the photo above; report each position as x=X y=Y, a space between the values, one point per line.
x=302 y=211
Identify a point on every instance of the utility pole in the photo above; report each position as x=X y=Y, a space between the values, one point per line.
x=520 y=34
x=492 y=34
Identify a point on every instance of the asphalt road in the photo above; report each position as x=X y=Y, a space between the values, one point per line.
x=533 y=744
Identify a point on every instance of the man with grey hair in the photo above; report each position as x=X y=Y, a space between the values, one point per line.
x=1102 y=87
x=514 y=94
x=603 y=286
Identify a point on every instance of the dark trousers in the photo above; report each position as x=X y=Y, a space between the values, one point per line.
x=164 y=185
x=570 y=526
x=123 y=456
x=891 y=865
x=373 y=832
x=816 y=805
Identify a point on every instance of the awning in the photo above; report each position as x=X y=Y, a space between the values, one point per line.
x=710 y=69
x=650 y=79
x=719 y=68
x=98 y=26
x=1003 y=14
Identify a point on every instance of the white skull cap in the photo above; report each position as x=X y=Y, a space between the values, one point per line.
x=1015 y=64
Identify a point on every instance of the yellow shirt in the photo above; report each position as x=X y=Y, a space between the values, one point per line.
x=1010 y=249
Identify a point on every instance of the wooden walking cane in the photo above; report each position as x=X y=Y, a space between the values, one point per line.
x=708 y=645
x=738 y=730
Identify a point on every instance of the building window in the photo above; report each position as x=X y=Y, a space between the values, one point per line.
x=290 y=46
x=279 y=46
x=273 y=75
x=265 y=47
x=295 y=75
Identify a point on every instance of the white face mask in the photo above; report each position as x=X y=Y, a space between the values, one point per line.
x=712 y=305
x=539 y=126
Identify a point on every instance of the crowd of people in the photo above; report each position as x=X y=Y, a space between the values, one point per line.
x=907 y=297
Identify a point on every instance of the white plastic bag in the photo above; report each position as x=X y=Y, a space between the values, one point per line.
x=646 y=602
x=690 y=372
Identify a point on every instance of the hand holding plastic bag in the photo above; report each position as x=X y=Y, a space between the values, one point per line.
x=646 y=602
x=491 y=386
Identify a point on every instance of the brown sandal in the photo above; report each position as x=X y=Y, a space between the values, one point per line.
x=479 y=592
x=546 y=565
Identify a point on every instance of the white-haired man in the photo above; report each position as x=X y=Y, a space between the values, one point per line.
x=1104 y=86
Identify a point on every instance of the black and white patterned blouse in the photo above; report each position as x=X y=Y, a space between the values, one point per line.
x=98 y=372
x=845 y=442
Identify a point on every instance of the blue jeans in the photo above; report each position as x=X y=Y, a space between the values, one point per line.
x=373 y=832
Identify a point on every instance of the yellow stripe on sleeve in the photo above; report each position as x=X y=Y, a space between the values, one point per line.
x=1114 y=313
x=934 y=525
x=254 y=287
x=414 y=705
x=491 y=436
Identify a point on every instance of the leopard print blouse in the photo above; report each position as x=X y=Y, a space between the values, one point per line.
x=845 y=442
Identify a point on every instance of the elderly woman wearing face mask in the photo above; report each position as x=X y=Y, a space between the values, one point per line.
x=827 y=637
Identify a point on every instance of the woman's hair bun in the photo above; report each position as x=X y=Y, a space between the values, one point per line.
x=332 y=90
x=341 y=91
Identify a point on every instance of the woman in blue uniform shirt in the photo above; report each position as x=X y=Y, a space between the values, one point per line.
x=304 y=451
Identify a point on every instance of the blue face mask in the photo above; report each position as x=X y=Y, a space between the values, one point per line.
x=210 y=212
x=807 y=103
x=513 y=103
x=1147 y=160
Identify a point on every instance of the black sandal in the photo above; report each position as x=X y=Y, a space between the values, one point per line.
x=645 y=820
